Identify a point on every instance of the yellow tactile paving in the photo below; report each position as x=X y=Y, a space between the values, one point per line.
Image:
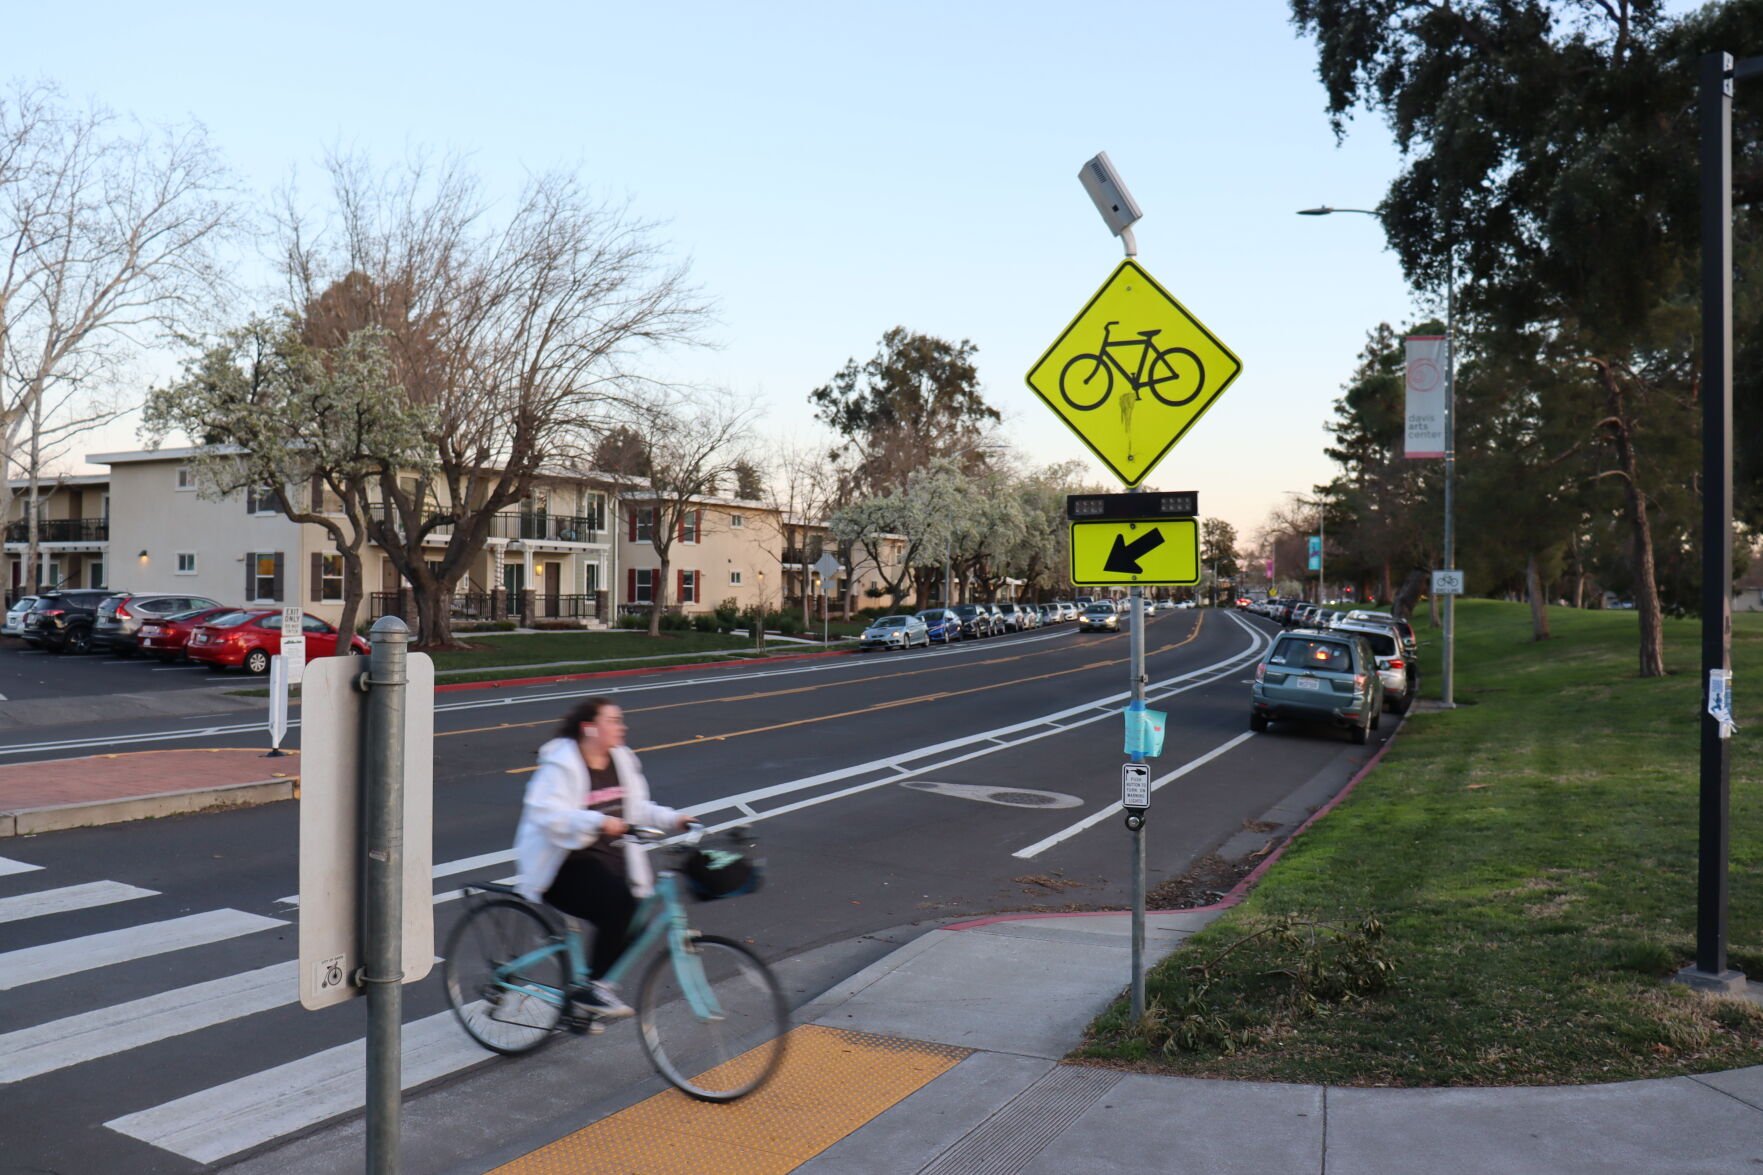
x=830 y=1083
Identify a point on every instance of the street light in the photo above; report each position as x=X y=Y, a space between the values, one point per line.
x=1450 y=441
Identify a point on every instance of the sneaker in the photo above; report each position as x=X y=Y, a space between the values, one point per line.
x=602 y=1000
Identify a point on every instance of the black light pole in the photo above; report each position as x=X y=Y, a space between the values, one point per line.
x=1714 y=102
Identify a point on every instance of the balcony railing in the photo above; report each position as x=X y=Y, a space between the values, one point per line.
x=61 y=530
x=513 y=524
x=550 y=528
x=803 y=556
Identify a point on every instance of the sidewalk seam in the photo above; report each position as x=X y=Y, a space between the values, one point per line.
x=1697 y=1078
x=1323 y=1170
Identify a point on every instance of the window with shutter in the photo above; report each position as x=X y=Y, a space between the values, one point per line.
x=630 y=586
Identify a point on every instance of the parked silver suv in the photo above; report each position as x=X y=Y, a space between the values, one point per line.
x=119 y=617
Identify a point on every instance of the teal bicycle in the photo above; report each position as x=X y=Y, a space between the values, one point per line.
x=710 y=1015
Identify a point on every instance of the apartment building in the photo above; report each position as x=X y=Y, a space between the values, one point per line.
x=577 y=550
x=548 y=558
x=73 y=533
x=726 y=548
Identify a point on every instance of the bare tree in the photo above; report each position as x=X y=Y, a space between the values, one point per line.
x=519 y=335
x=312 y=425
x=798 y=491
x=57 y=419
x=686 y=452
x=107 y=239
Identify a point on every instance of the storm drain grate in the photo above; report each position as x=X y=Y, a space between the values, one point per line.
x=1009 y=1139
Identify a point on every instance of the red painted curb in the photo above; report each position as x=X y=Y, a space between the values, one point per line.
x=1240 y=890
x=499 y=682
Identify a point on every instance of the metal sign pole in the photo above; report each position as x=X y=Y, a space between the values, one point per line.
x=382 y=971
x=1136 y=822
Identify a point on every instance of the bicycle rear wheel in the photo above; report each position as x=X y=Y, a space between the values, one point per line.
x=1079 y=374
x=712 y=1020
x=508 y=1010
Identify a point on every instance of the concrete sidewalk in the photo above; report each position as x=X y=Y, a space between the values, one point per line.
x=1020 y=992
x=948 y=1063
x=109 y=789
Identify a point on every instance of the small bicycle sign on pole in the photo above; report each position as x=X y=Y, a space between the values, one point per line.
x=1447 y=583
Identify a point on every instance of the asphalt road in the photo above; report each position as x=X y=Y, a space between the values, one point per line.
x=891 y=791
x=28 y=674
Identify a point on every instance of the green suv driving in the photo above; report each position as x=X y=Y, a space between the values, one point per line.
x=1319 y=677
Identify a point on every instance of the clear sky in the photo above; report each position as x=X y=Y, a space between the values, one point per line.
x=836 y=170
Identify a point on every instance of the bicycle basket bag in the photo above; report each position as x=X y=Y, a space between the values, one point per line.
x=716 y=873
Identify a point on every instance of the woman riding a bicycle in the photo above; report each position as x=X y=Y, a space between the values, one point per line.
x=586 y=792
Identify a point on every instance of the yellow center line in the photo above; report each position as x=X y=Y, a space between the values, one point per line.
x=756 y=695
x=705 y=739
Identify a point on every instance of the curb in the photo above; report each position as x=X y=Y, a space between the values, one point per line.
x=1241 y=889
x=555 y=678
x=56 y=817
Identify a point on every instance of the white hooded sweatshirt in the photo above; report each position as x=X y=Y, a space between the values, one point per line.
x=555 y=819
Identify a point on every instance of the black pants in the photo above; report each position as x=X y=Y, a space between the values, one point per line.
x=594 y=887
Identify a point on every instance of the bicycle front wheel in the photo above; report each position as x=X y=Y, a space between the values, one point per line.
x=1090 y=377
x=1177 y=377
x=506 y=976
x=712 y=1019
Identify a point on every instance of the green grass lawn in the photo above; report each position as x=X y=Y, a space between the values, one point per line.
x=1531 y=858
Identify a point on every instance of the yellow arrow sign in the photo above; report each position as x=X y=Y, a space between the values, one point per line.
x=1148 y=551
x=1133 y=372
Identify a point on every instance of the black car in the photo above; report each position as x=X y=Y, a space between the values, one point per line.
x=975 y=620
x=62 y=620
x=119 y=618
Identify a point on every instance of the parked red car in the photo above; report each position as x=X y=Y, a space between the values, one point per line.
x=248 y=639
x=165 y=636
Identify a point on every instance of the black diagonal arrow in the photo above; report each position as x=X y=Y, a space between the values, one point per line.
x=1124 y=558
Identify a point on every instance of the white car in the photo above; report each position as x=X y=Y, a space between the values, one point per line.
x=895 y=632
x=14 y=625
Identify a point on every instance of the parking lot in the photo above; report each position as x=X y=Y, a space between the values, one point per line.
x=27 y=673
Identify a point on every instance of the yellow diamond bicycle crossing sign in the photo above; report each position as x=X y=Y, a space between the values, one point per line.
x=1133 y=372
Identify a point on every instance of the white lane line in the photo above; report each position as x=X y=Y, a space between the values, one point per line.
x=2 y=697
x=104 y=1032
x=1035 y=730
x=70 y=956
x=467 y=864
x=1095 y=818
x=589 y=690
x=8 y=867
x=77 y=744
x=444 y=869
x=213 y=1123
x=69 y=897
x=455 y=894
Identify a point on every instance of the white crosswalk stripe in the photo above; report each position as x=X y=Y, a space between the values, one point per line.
x=71 y=956
x=103 y=1032
x=69 y=897
x=8 y=867
x=211 y=1124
